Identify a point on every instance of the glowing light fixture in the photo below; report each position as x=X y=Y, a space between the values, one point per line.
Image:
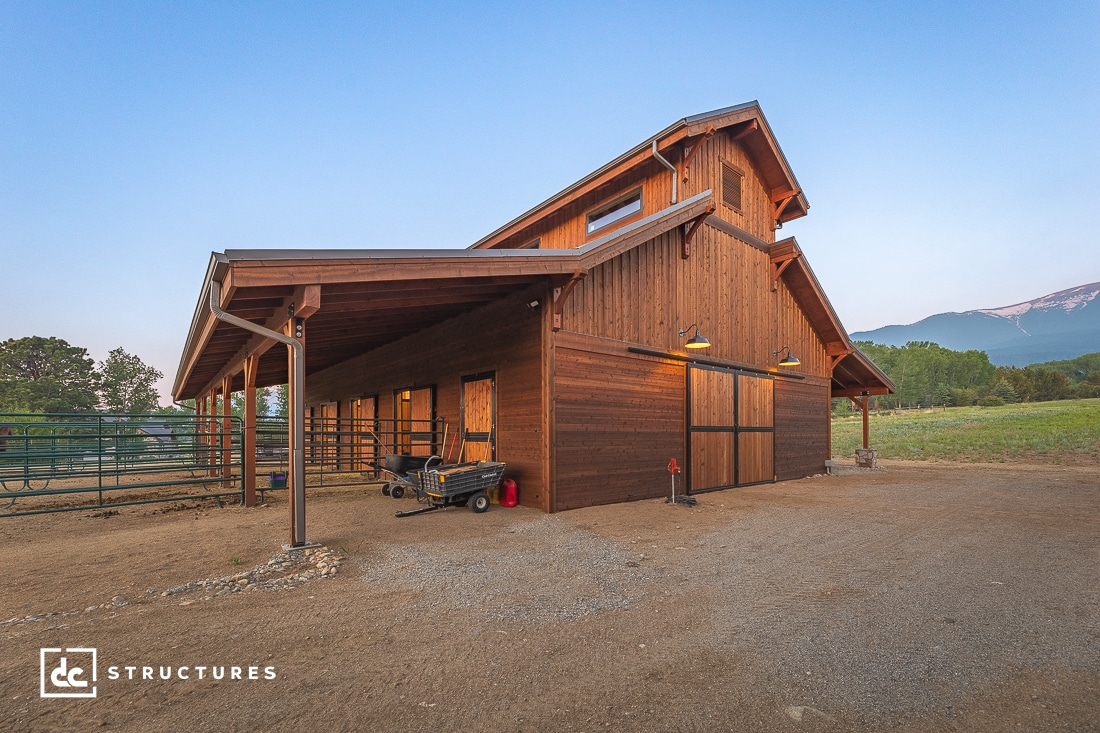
x=698 y=341
x=787 y=360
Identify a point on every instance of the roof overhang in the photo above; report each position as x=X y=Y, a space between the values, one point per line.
x=364 y=299
x=853 y=373
x=753 y=132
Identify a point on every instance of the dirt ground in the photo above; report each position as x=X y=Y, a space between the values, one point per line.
x=917 y=597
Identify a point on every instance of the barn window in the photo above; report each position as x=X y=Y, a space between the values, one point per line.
x=617 y=210
x=733 y=181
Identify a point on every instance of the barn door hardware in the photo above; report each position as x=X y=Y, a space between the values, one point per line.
x=561 y=293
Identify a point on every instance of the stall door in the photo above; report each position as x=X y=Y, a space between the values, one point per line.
x=730 y=428
x=479 y=418
x=413 y=410
x=364 y=432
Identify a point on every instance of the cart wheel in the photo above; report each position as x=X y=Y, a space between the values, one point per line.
x=397 y=492
x=479 y=502
x=385 y=489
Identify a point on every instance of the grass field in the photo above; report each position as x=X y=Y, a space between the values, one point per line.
x=1065 y=431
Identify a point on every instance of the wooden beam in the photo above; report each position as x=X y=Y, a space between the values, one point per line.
x=748 y=129
x=691 y=151
x=781 y=263
x=778 y=211
x=686 y=237
x=302 y=303
x=561 y=293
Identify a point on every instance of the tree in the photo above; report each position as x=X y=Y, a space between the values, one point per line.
x=128 y=385
x=46 y=375
x=1003 y=389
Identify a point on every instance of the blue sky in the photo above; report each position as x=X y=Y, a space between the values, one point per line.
x=948 y=150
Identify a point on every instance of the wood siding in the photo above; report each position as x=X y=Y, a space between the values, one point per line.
x=619 y=418
x=647 y=294
x=801 y=427
x=755 y=214
x=504 y=337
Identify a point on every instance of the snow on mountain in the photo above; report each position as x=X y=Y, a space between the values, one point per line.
x=1056 y=326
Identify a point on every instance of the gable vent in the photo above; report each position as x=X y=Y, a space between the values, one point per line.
x=732 y=182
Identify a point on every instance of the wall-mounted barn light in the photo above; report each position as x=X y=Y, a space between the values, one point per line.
x=787 y=360
x=698 y=341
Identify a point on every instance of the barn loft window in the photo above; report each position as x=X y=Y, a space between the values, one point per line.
x=733 y=181
x=617 y=210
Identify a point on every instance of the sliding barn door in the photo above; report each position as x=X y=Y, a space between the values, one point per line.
x=731 y=430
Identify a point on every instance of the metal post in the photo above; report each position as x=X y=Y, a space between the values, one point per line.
x=297 y=408
x=248 y=439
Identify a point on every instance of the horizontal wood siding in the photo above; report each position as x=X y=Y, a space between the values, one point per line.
x=619 y=419
x=801 y=427
x=505 y=337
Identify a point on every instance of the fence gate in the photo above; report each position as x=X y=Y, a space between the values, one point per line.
x=731 y=428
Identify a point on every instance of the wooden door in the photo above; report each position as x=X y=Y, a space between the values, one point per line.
x=479 y=418
x=413 y=413
x=364 y=432
x=731 y=433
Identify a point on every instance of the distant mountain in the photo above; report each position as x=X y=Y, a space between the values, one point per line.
x=1063 y=325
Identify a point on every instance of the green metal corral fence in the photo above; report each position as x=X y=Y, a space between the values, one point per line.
x=69 y=462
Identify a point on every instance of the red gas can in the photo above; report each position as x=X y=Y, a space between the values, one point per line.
x=509 y=494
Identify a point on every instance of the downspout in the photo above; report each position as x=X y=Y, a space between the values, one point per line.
x=670 y=166
x=297 y=407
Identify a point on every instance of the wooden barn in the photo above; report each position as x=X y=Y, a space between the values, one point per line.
x=559 y=343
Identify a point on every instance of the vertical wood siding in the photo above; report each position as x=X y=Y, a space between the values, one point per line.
x=705 y=172
x=646 y=295
x=505 y=338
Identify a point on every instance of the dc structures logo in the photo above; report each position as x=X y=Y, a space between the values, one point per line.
x=67 y=672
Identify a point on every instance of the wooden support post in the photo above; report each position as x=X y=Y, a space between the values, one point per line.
x=866 y=423
x=212 y=435
x=248 y=442
x=227 y=430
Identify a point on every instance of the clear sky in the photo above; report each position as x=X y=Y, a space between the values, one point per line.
x=949 y=151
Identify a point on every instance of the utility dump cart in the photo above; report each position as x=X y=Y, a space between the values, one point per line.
x=403 y=471
x=463 y=484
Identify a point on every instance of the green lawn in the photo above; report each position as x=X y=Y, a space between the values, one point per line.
x=1053 y=431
